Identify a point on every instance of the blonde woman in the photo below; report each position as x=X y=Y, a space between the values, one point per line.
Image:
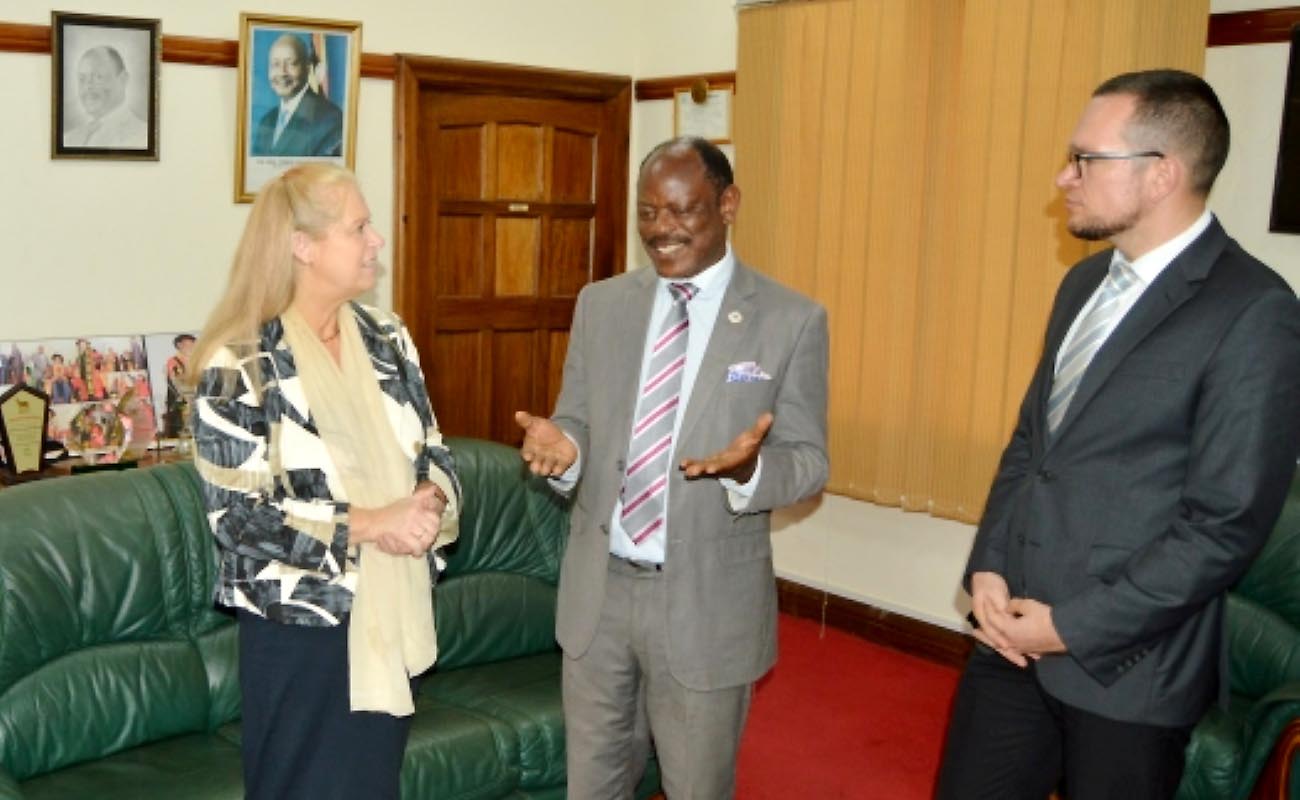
x=329 y=492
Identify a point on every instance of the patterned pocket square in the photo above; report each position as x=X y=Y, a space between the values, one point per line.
x=746 y=372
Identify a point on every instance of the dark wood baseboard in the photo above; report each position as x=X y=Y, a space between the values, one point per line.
x=931 y=642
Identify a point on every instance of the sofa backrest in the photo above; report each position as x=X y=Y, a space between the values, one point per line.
x=1264 y=610
x=107 y=634
x=496 y=599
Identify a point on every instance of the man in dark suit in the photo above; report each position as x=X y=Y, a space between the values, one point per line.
x=303 y=123
x=667 y=601
x=1151 y=457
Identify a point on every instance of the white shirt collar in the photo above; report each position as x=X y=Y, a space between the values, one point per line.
x=1149 y=266
x=710 y=281
x=291 y=105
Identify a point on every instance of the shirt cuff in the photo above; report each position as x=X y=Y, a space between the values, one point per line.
x=565 y=482
x=739 y=494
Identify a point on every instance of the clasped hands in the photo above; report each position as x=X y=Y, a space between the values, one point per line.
x=550 y=453
x=407 y=527
x=1018 y=628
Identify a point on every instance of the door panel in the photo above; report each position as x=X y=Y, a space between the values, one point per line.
x=512 y=192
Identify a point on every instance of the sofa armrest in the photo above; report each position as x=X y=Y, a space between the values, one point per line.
x=1270 y=715
x=9 y=787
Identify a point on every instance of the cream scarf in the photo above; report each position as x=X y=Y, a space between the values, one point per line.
x=391 y=635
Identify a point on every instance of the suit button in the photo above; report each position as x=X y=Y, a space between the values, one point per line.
x=619 y=465
x=604 y=528
x=1046 y=475
x=1020 y=538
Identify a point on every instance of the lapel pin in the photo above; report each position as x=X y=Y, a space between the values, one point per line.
x=735 y=317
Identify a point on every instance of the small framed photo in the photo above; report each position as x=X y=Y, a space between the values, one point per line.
x=298 y=85
x=703 y=110
x=105 y=86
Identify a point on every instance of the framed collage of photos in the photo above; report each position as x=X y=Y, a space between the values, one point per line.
x=109 y=396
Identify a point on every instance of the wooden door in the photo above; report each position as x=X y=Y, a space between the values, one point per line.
x=512 y=193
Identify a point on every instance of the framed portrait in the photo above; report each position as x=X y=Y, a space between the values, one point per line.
x=298 y=86
x=105 y=86
x=703 y=110
x=1285 y=217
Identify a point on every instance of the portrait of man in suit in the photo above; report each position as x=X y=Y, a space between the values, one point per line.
x=1151 y=456
x=303 y=122
x=693 y=404
x=107 y=121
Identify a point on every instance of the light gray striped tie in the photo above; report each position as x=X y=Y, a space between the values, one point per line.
x=1088 y=339
x=646 y=478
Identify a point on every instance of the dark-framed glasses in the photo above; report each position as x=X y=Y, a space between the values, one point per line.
x=1077 y=160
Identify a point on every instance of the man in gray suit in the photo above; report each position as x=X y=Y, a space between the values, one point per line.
x=694 y=403
x=1151 y=458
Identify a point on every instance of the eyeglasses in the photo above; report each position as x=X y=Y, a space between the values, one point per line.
x=1077 y=160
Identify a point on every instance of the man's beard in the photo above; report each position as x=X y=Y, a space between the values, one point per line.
x=1095 y=230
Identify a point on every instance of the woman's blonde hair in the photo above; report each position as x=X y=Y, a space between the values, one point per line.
x=305 y=198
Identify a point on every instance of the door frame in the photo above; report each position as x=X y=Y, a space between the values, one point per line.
x=416 y=75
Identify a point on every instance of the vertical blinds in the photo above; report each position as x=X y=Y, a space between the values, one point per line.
x=896 y=159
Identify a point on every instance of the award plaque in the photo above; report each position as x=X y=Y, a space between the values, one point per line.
x=24 y=414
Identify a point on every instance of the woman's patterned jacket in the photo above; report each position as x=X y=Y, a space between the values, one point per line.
x=270 y=485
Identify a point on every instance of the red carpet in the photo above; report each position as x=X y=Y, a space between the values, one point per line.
x=840 y=717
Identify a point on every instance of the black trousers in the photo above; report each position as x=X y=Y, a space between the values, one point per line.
x=1008 y=739
x=300 y=739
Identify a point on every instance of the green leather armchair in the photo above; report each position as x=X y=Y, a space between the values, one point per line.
x=1230 y=749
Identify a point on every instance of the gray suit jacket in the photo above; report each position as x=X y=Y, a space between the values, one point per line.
x=722 y=607
x=1159 y=487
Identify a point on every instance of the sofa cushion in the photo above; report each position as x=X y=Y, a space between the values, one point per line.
x=94 y=617
x=522 y=692
x=511 y=522
x=492 y=616
x=1263 y=648
x=456 y=754
x=195 y=767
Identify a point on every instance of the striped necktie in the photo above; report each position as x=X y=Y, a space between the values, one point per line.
x=1092 y=332
x=646 y=479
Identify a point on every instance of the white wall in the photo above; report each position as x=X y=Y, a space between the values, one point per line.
x=121 y=247
x=1251 y=84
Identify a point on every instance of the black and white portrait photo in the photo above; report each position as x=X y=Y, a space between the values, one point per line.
x=105 y=87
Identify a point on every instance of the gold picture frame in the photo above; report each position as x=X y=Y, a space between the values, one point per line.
x=104 y=87
x=299 y=80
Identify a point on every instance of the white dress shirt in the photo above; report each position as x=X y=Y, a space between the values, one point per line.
x=119 y=128
x=711 y=284
x=1146 y=269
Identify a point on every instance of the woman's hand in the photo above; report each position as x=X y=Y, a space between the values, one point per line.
x=406 y=527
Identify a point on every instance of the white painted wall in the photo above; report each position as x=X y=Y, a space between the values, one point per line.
x=99 y=247
x=1251 y=84
x=115 y=247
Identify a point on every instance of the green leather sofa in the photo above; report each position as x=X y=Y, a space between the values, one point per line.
x=118 y=677
x=1229 y=749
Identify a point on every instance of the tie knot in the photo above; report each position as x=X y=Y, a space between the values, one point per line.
x=683 y=292
x=1122 y=274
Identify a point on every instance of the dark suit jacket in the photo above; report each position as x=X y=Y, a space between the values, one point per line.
x=1159 y=487
x=315 y=129
x=722 y=593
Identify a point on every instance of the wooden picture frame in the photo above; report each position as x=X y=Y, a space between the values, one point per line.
x=1285 y=215
x=104 y=87
x=298 y=84
x=704 y=110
